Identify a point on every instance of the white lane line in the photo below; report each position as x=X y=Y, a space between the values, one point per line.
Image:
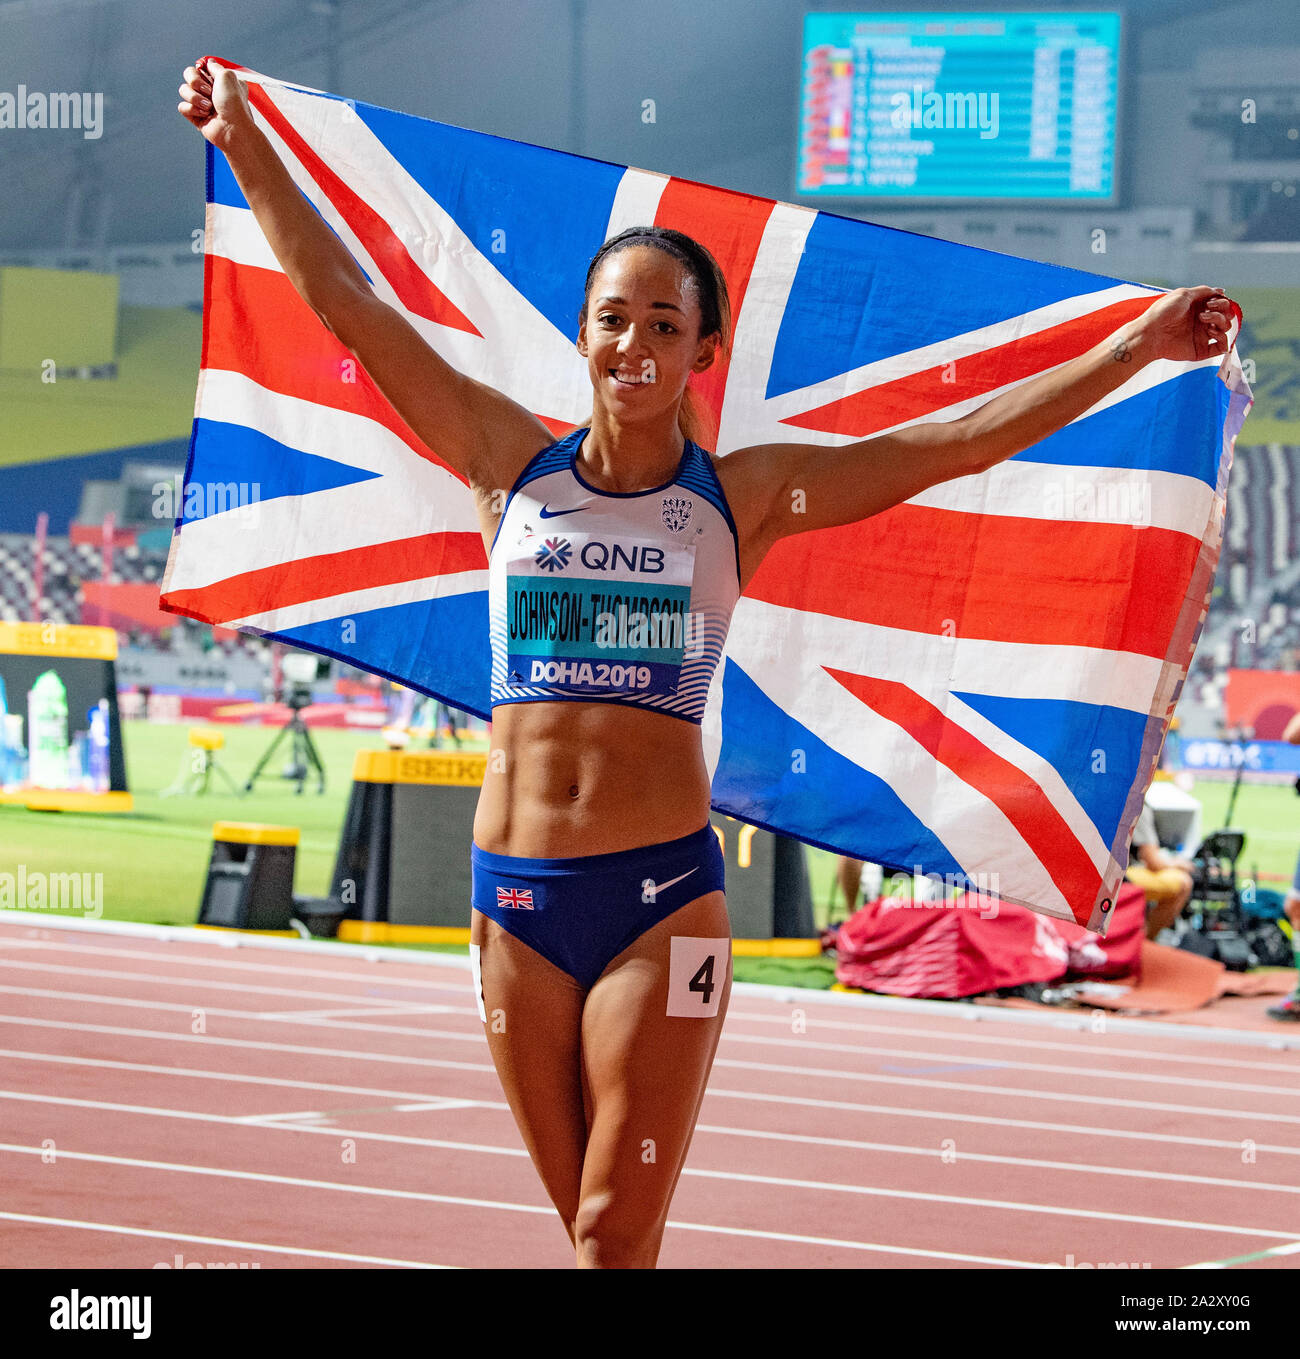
x=1013 y=1092
x=115 y=1230
x=781 y=997
x=305 y=1017
x=192 y=1073
x=308 y=1116
x=267 y=1121
x=950 y=1035
x=823 y=1186
x=935 y=1153
x=424 y=1106
x=399 y=1009
x=814 y=1072
x=284 y=1121
x=1100 y=1073
x=443 y=1104
x=1011 y=1205
x=107 y=931
x=988 y=1120
x=992 y=1017
x=156 y=1111
x=193 y=983
x=297 y=969
x=423 y=1196
x=477 y=1037
x=865 y=1246
x=251 y=1044
x=1291 y=1248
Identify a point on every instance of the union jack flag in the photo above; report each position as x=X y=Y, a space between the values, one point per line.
x=976 y=682
x=517 y=898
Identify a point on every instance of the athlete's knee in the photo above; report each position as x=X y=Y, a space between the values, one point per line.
x=608 y=1236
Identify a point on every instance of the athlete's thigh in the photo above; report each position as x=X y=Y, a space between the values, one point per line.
x=533 y=1027
x=646 y=1069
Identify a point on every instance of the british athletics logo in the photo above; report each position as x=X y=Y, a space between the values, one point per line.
x=973 y=681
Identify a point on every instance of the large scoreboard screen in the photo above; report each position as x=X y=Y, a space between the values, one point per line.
x=960 y=106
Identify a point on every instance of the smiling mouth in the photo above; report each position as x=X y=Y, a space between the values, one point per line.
x=631 y=379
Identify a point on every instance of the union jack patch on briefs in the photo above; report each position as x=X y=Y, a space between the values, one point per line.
x=515 y=897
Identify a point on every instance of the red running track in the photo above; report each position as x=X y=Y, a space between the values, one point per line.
x=164 y=1094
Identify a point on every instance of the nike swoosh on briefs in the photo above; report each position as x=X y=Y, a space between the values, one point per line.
x=663 y=886
x=554 y=514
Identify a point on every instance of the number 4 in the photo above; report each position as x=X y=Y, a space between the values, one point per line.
x=703 y=981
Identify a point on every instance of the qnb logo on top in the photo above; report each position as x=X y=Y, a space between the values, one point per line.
x=554 y=554
x=636 y=558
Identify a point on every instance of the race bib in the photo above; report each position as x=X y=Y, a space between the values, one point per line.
x=595 y=614
x=697 y=976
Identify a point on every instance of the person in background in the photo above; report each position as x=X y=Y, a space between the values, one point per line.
x=1171 y=751
x=1289 y=1008
x=848 y=873
x=449 y=720
x=1166 y=879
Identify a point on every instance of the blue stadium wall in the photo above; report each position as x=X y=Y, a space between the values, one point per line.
x=54 y=485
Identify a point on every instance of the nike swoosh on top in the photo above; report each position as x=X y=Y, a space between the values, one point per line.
x=554 y=514
x=657 y=887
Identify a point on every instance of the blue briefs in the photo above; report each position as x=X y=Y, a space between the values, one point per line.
x=580 y=914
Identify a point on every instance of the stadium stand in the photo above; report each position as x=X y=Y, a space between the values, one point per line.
x=67 y=565
x=70 y=566
x=1254 y=617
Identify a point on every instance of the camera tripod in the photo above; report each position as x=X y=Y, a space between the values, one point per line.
x=304 y=752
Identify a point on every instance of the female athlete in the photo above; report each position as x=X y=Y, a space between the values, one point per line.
x=599 y=927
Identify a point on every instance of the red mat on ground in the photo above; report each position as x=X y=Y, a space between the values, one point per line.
x=1172 y=979
x=975 y=943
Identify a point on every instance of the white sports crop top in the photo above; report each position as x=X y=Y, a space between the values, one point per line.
x=616 y=597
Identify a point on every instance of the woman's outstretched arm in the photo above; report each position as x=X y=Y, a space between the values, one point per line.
x=476 y=429
x=852 y=482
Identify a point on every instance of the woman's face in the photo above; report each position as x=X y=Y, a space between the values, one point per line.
x=641 y=333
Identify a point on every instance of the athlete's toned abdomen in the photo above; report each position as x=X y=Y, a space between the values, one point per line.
x=567 y=779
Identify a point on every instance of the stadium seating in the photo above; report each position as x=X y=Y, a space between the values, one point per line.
x=1258 y=582
x=67 y=565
